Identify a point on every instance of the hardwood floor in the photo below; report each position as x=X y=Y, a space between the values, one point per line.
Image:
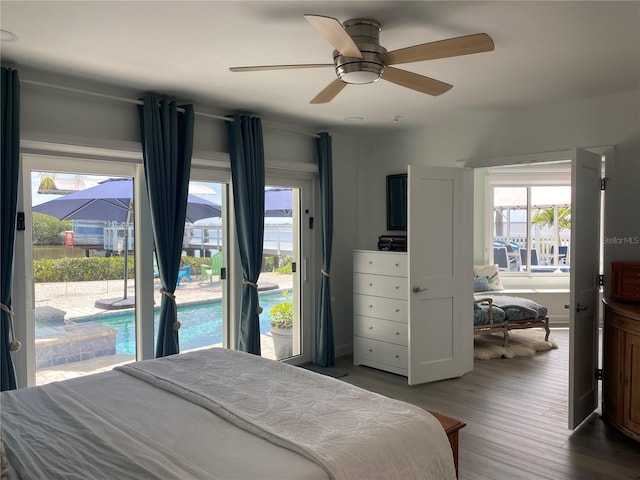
x=516 y=416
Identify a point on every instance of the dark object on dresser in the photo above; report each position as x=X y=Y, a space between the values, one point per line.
x=625 y=281
x=392 y=243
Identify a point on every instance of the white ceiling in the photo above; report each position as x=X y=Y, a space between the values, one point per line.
x=545 y=52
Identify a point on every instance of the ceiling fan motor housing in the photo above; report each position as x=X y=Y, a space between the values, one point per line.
x=366 y=35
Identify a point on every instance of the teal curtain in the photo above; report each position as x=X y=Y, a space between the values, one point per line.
x=325 y=348
x=246 y=152
x=9 y=167
x=167 y=145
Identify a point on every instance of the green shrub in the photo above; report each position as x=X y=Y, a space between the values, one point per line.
x=94 y=268
x=286 y=269
x=47 y=229
x=81 y=269
x=282 y=313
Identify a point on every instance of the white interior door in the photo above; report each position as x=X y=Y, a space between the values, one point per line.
x=440 y=247
x=583 y=299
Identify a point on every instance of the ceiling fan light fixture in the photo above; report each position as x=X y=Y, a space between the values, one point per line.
x=360 y=73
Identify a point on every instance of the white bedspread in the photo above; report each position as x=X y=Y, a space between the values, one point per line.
x=352 y=433
x=52 y=433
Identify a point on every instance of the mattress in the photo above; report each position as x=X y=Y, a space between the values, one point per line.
x=119 y=425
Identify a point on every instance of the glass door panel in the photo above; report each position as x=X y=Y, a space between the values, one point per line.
x=201 y=285
x=279 y=283
x=83 y=270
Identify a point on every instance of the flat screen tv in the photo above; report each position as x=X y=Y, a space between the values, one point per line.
x=397 y=202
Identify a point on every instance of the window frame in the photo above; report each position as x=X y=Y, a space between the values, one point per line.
x=522 y=176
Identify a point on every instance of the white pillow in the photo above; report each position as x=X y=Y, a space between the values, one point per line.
x=491 y=272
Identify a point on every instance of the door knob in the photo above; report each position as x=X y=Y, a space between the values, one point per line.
x=418 y=289
x=579 y=308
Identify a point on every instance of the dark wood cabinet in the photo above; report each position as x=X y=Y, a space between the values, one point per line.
x=625 y=281
x=621 y=367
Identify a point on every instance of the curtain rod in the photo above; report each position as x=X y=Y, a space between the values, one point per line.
x=113 y=97
x=139 y=102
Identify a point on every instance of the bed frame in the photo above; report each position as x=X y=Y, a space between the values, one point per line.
x=508 y=325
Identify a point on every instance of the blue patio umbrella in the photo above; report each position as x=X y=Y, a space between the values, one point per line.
x=278 y=202
x=112 y=200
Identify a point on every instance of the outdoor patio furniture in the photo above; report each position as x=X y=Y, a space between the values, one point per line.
x=534 y=256
x=563 y=250
x=184 y=272
x=213 y=269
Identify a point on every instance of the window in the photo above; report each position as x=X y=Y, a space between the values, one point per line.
x=530 y=224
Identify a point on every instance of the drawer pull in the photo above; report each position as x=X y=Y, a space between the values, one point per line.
x=371 y=349
x=370 y=262
x=397 y=264
x=397 y=287
x=418 y=289
x=371 y=284
x=397 y=310
x=397 y=356
x=397 y=333
x=370 y=306
x=370 y=327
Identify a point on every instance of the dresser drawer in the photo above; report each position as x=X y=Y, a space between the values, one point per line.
x=380 y=286
x=383 y=330
x=381 y=263
x=377 y=352
x=380 y=307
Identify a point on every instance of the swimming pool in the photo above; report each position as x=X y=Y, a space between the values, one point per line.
x=201 y=323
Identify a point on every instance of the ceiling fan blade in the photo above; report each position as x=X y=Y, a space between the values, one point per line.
x=258 y=68
x=452 y=47
x=331 y=29
x=416 y=82
x=329 y=92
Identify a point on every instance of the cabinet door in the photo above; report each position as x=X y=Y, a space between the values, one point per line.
x=632 y=383
x=612 y=371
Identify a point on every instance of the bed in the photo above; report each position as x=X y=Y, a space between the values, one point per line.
x=217 y=414
x=494 y=312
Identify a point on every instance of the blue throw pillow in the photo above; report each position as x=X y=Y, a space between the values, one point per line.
x=481 y=284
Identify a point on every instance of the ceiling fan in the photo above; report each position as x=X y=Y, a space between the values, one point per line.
x=358 y=57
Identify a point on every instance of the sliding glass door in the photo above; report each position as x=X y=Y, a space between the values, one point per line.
x=283 y=287
x=82 y=230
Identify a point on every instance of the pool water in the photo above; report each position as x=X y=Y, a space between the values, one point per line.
x=201 y=323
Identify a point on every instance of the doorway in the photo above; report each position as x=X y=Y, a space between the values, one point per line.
x=586 y=172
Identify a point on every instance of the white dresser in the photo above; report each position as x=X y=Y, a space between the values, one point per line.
x=380 y=308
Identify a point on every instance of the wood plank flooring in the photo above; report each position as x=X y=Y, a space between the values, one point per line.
x=516 y=416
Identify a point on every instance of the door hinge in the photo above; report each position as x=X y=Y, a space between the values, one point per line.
x=601 y=280
x=598 y=374
x=603 y=183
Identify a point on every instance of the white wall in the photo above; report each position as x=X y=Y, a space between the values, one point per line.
x=611 y=120
x=362 y=163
